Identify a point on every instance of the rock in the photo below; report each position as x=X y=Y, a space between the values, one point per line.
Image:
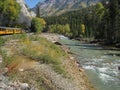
x=57 y=43
x=24 y=86
x=57 y=7
x=9 y=88
x=25 y=14
x=2 y=86
x=21 y=69
x=16 y=85
x=72 y=58
x=81 y=70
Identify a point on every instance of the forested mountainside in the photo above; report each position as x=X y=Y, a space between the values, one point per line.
x=101 y=21
x=57 y=7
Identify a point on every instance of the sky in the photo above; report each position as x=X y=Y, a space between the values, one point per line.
x=32 y=3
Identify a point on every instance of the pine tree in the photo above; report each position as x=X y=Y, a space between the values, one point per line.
x=113 y=14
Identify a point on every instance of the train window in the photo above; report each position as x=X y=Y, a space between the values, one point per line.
x=3 y=29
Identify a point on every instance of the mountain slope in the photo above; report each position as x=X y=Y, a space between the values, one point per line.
x=25 y=14
x=57 y=7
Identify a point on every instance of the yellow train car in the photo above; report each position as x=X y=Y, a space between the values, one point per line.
x=8 y=30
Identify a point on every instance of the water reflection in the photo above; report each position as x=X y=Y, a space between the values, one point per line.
x=112 y=54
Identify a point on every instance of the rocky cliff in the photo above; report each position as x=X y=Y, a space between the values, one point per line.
x=56 y=7
x=25 y=14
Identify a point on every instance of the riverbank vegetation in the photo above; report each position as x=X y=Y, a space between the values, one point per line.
x=37 y=24
x=35 y=48
x=36 y=52
x=100 y=22
x=32 y=59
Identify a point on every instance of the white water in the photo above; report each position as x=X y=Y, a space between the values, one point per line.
x=101 y=65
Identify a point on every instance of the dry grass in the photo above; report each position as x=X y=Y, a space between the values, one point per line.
x=34 y=48
x=44 y=51
x=27 y=53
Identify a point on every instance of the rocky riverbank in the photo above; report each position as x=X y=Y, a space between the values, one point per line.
x=6 y=84
x=71 y=65
x=25 y=73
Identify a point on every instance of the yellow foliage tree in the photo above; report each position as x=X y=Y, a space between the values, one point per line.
x=9 y=11
x=83 y=28
x=37 y=24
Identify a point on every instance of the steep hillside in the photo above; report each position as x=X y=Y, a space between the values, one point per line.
x=57 y=7
x=25 y=14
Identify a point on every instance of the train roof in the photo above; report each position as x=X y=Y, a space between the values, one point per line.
x=9 y=28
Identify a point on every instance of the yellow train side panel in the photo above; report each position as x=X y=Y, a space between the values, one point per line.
x=2 y=32
x=17 y=31
x=9 y=31
x=5 y=30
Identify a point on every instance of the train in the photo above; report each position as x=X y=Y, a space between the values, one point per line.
x=9 y=30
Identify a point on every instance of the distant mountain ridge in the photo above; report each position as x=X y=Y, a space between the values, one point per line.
x=57 y=7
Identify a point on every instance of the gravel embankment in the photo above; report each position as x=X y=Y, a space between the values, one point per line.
x=79 y=79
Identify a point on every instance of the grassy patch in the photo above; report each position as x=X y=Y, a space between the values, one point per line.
x=45 y=52
x=6 y=59
x=33 y=78
x=34 y=38
x=36 y=48
x=59 y=70
x=9 y=62
x=22 y=36
x=2 y=41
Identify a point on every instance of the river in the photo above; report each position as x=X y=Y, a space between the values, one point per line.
x=100 y=64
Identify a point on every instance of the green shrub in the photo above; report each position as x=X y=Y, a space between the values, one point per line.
x=45 y=52
x=7 y=60
x=59 y=69
x=37 y=25
x=2 y=41
x=34 y=38
x=46 y=58
x=19 y=36
x=29 y=53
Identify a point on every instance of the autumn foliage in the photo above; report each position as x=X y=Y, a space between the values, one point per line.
x=37 y=24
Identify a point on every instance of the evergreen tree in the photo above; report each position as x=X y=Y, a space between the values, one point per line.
x=113 y=14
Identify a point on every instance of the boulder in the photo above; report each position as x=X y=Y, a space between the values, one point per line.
x=58 y=43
